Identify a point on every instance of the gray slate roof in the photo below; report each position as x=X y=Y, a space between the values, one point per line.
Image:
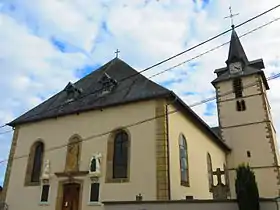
x=217 y=131
x=237 y=53
x=134 y=89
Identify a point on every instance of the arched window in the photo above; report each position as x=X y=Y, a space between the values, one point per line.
x=210 y=172
x=34 y=165
x=184 y=166
x=120 y=157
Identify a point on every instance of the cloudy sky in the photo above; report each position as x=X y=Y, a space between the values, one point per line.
x=47 y=43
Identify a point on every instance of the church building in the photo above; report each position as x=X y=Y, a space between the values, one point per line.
x=115 y=135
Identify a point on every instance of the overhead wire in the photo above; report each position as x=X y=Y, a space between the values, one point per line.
x=163 y=61
x=4 y=132
x=214 y=48
x=186 y=61
x=146 y=120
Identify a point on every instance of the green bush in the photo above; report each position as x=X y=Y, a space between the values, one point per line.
x=246 y=189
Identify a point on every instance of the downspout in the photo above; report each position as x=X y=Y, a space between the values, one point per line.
x=167 y=137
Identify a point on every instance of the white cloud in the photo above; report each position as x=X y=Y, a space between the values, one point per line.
x=32 y=68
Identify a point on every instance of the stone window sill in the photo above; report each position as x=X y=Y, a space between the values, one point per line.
x=185 y=184
x=44 y=203
x=117 y=180
x=29 y=184
x=95 y=203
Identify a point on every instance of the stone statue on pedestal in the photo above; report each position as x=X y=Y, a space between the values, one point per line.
x=95 y=165
x=46 y=170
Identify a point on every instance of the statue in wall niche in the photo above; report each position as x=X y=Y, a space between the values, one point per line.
x=46 y=170
x=73 y=155
x=95 y=165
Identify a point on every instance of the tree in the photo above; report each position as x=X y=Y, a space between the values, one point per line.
x=246 y=189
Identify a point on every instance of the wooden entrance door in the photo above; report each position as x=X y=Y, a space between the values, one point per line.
x=71 y=194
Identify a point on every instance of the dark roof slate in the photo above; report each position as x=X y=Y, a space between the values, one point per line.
x=248 y=70
x=217 y=131
x=133 y=89
x=237 y=53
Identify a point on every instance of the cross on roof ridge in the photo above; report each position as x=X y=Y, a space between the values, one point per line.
x=117 y=53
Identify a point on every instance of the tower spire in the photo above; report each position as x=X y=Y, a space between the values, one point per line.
x=236 y=51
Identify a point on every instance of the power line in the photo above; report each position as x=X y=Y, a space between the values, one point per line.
x=208 y=40
x=214 y=48
x=170 y=68
x=146 y=120
x=165 y=60
x=6 y=132
x=2 y=126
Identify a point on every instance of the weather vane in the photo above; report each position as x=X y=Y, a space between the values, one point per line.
x=231 y=16
x=117 y=53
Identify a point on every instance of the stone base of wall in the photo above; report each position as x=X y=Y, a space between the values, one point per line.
x=265 y=204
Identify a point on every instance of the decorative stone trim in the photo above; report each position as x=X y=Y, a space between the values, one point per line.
x=59 y=198
x=10 y=164
x=71 y=174
x=246 y=124
x=218 y=95
x=269 y=133
x=233 y=99
x=162 y=152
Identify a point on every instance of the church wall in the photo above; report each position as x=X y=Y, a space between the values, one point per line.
x=199 y=144
x=250 y=131
x=261 y=164
x=57 y=132
x=227 y=103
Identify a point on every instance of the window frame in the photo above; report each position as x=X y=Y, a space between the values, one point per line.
x=48 y=195
x=237 y=87
x=29 y=181
x=90 y=202
x=186 y=181
x=110 y=157
x=209 y=162
x=240 y=105
x=122 y=162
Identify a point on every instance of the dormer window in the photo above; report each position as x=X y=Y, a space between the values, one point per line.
x=72 y=91
x=108 y=83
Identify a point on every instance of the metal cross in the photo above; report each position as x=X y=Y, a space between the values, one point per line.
x=117 y=53
x=231 y=16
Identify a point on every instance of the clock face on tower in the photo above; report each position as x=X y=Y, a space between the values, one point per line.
x=235 y=67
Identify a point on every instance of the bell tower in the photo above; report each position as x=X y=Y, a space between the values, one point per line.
x=245 y=120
